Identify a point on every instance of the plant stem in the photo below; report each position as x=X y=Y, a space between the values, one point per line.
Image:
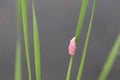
x=70 y=68
x=18 y=61
x=18 y=65
x=36 y=45
x=110 y=60
x=26 y=39
x=81 y=19
x=86 y=43
x=78 y=31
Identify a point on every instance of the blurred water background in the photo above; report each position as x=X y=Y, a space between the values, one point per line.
x=57 y=21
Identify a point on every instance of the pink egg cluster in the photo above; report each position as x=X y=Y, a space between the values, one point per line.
x=72 y=47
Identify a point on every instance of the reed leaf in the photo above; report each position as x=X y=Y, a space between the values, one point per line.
x=78 y=32
x=80 y=72
x=36 y=44
x=26 y=39
x=18 y=61
x=18 y=65
x=81 y=19
x=110 y=60
x=70 y=68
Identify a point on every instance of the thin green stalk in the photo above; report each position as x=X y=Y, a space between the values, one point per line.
x=86 y=43
x=78 y=31
x=36 y=45
x=18 y=65
x=18 y=17
x=110 y=60
x=26 y=39
x=70 y=68
x=81 y=19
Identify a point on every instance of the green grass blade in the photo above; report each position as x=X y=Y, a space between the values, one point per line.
x=18 y=65
x=81 y=19
x=70 y=68
x=36 y=45
x=110 y=60
x=18 y=61
x=78 y=32
x=86 y=44
x=25 y=29
x=18 y=17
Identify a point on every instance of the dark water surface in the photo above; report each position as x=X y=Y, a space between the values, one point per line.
x=57 y=22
